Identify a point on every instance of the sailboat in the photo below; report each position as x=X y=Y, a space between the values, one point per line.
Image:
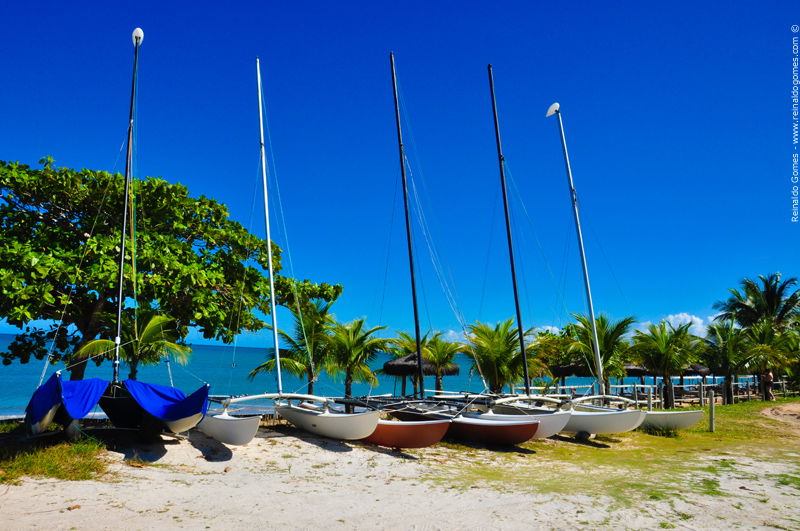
x=130 y=404
x=588 y=421
x=473 y=426
x=394 y=432
x=311 y=413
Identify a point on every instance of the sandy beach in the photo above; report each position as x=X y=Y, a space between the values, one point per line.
x=289 y=479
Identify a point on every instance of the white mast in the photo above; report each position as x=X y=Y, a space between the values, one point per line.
x=556 y=109
x=269 y=240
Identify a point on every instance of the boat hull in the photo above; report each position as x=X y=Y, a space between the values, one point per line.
x=229 y=429
x=550 y=423
x=601 y=422
x=473 y=428
x=408 y=434
x=493 y=432
x=342 y=426
x=671 y=420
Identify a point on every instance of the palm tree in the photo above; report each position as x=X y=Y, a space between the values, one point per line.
x=497 y=356
x=773 y=299
x=666 y=350
x=145 y=344
x=351 y=347
x=441 y=355
x=726 y=353
x=307 y=343
x=613 y=345
x=768 y=347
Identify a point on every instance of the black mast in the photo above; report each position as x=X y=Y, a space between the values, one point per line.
x=138 y=36
x=501 y=161
x=408 y=226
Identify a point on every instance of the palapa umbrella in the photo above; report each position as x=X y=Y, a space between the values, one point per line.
x=407 y=366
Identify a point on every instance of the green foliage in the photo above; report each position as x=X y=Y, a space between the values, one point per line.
x=60 y=247
x=612 y=343
x=307 y=344
x=497 y=355
x=76 y=461
x=772 y=299
x=441 y=354
x=666 y=350
x=351 y=347
x=146 y=341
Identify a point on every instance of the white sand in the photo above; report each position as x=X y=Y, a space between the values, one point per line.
x=287 y=479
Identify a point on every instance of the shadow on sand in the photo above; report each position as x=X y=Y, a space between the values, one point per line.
x=584 y=441
x=282 y=430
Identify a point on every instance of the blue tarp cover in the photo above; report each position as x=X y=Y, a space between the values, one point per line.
x=78 y=397
x=167 y=403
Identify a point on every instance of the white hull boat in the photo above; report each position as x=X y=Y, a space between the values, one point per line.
x=332 y=424
x=672 y=420
x=601 y=420
x=229 y=429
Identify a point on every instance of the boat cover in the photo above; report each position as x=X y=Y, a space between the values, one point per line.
x=78 y=397
x=167 y=403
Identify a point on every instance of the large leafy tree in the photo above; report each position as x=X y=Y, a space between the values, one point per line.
x=613 y=345
x=351 y=347
x=146 y=340
x=769 y=298
x=59 y=238
x=307 y=343
x=666 y=350
x=497 y=356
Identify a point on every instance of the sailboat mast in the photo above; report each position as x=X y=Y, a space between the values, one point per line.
x=408 y=226
x=138 y=37
x=574 y=197
x=269 y=240
x=501 y=161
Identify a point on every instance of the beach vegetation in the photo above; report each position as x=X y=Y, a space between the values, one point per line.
x=497 y=356
x=307 y=344
x=441 y=354
x=59 y=252
x=613 y=344
x=146 y=341
x=51 y=458
x=665 y=349
x=352 y=346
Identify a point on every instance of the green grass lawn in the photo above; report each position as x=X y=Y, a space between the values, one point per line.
x=635 y=465
x=48 y=456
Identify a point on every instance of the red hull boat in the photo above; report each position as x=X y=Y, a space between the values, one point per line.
x=408 y=434
x=476 y=429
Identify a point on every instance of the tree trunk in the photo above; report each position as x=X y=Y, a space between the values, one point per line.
x=134 y=369
x=728 y=391
x=669 y=393
x=348 y=389
x=439 y=381
x=403 y=389
x=310 y=381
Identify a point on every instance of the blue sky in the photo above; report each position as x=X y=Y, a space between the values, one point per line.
x=678 y=123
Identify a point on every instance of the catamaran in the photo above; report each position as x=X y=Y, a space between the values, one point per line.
x=129 y=404
x=308 y=412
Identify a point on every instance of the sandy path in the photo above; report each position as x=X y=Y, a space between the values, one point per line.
x=287 y=479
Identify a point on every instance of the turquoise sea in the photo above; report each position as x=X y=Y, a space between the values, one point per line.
x=225 y=368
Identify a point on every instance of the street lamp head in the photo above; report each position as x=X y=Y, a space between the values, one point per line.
x=553 y=109
x=138 y=36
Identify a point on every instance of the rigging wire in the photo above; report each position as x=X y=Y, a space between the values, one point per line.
x=282 y=219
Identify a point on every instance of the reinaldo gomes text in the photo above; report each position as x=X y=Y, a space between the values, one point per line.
x=795 y=178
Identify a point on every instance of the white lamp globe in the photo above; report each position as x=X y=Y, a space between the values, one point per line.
x=138 y=36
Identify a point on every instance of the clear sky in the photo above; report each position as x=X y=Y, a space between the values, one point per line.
x=678 y=120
